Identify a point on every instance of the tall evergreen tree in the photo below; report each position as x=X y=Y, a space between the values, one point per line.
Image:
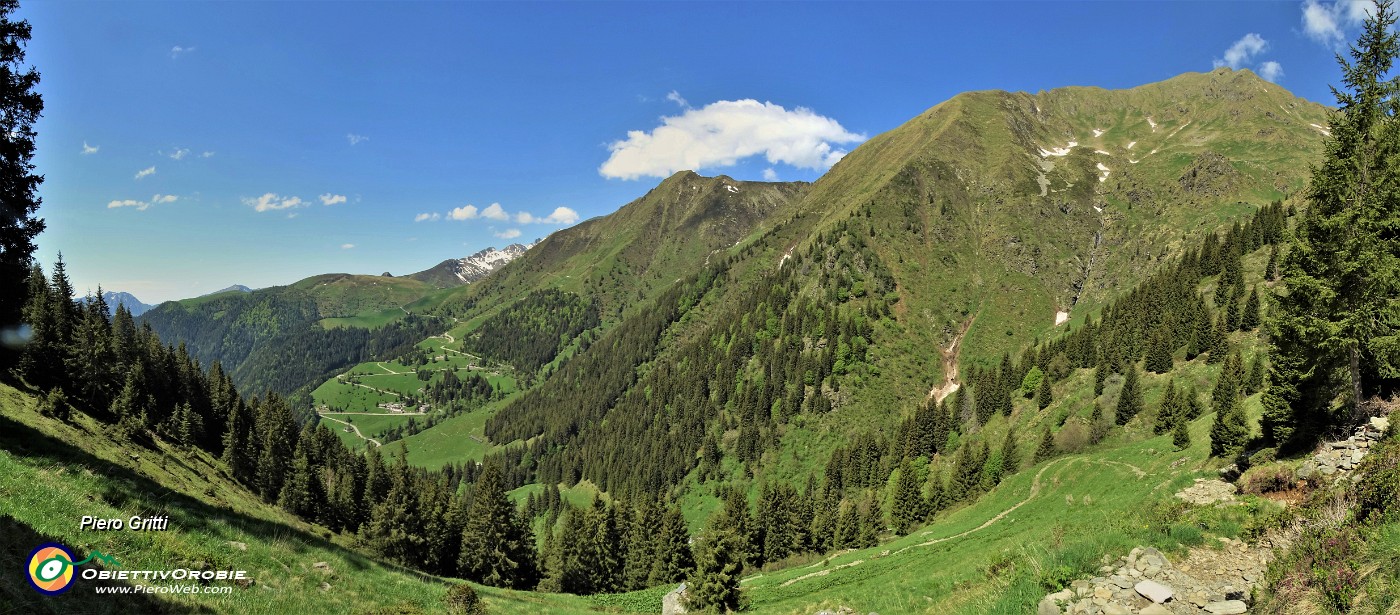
x=714 y=585
x=1129 y=398
x=1334 y=329
x=1250 y=318
x=498 y=548
x=20 y=107
x=1046 y=449
x=1229 y=433
x=908 y=506
x=1159 y=352
x=1043 y=396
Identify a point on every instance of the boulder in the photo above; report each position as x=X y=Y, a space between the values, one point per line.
x=1227 y=607
x=1048 y=607
x=672 y=603
x=1154 y=591
x=1380 y=423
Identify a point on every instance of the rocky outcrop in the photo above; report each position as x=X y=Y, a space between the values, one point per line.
x=1206 y=492
x=1145 y=582
x=1344 y=455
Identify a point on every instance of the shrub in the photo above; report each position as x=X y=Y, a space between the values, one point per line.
x=1379 y=487
x=1073 y=437
x=463 y=600
x=1268 y=479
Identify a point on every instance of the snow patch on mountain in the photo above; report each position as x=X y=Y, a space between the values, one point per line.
x=481 y=264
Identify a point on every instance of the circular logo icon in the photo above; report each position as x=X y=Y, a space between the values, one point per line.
x=51 y=568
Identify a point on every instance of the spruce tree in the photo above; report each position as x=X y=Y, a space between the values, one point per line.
x=714 y=585
x=1219 y=340
x=1168 y=414
x=908 y=506
x=1010 y=454
x=1250 y=318
x=1043 y=396
x=20 y=105
x=1229 y=433
x=1129 y=398
x=498 y=548
x=1046 y=449
x=1181 y=434
x=1159 y=352
x=1332 y=329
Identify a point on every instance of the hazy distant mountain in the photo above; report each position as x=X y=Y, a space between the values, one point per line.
x=132 y=304
x=456 y=272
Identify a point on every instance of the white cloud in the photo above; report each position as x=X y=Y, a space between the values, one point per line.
x=179 y=154
x=273 y=202
x=465 y=212
x=347 y=246
x=494 y=211
x=1242 y=51
x=769 y=175
x=139 y=205
x=90 y=149
x=433 y=217
x=177 y=51
x=355 y=139
x=510 y=233
x=560 y=215
x=1271 y=71
x=147 y=172
x=332 y=199
x=722 y=133
x=1327 y=22
x=159 y=199
x=676 y=97
x=207 y=155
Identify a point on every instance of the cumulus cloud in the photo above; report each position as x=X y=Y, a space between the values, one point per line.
x=510 y=233
x=89 y=149
x=1327 y=22
x=1242 y=51
x=722 y=133
x=332 y=199
x=207 y=155
x=177 y=51
x=179 y=154
x=347 y=246
x=560 y=215
x=146 y=172
x=465 y=212
x=159 y=199
x=769 y=175
x=494 y=211
x=274 y=202
x=355 y=139
x=1271 y=71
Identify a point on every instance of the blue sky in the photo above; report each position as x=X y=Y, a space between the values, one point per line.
x=190 y=146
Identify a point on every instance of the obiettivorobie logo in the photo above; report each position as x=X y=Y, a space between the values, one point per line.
x=51 y=567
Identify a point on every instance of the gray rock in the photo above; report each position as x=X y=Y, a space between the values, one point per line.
x=1154 y=591
x=1113 y=608
x=1380 y=423
x=1228 y=607
x=1307 y=470
x=672 y=603
x=1061 y=596
x=1048 y=607
x=1155 y=609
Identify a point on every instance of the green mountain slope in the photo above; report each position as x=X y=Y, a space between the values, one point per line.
x=285 y=338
